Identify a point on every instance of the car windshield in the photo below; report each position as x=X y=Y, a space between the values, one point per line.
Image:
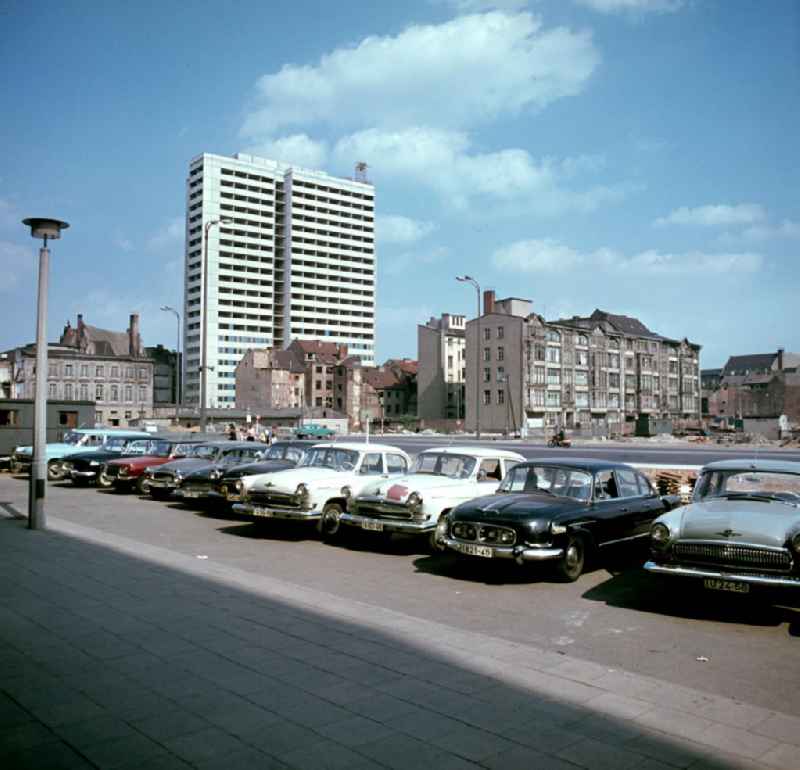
x=338 y=459
x=749 y=485
x=117 y=444
x=159 y=448
x=138 y=447
x=75 y=438
x=557 y=480
x=204 y=452
x=275 y=453
x=445 y=464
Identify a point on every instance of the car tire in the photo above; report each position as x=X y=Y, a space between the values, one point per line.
x=570 y=567
x=329 y=525
x=434 y=543
x=141 y=485
x=54 y=472
x=103 y=481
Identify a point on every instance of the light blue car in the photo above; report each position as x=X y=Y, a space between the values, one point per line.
x=78 y=440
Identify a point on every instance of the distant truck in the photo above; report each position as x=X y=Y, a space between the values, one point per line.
x=313 y=430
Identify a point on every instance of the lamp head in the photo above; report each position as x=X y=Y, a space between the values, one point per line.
x=45 y=228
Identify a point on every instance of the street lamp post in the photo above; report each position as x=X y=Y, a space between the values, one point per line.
x=44 y=229
x=470 y=280
x=179 y=362
x=204 y=330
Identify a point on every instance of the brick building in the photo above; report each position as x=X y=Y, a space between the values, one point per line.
x=598 y=372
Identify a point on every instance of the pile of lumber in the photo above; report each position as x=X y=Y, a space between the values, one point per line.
x=673 y=482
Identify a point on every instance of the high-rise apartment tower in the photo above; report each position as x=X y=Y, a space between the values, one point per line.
x=293 y=258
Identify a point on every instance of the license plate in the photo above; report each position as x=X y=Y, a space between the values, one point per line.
x=734 y=586
x=476 y=550
x=232 y=496
x=265 y=512
x=190 y=493
x=373 y=526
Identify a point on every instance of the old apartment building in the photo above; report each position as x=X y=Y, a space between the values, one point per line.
x=441 y=347
x=91 y=364
x=599 y=372
x=269 y=379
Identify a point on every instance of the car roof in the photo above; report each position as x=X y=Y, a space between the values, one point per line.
x=754 y=464
x=358 y=446
x=112 y=432
x=476 y=451
x=581 y=463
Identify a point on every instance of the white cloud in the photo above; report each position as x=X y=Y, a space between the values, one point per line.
x=549 y=255
x=466 y=71
x=714 y=215
x=473 y=6
x=169 y=234
x=399 y=264
x=392 y=228
x=786 y=229
x=443 y=161
x=632 y=6
x=297 y=149
x=15 y=262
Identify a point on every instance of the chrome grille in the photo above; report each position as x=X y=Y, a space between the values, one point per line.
x=491 y=534
x=734 y=555
x=164 y=476
x=384 y=510
x=276 y=499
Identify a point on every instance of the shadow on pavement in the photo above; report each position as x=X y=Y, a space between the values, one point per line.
x=110 y=659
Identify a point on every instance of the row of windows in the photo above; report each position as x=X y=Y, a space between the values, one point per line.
x=99 y=370
x=82 y=392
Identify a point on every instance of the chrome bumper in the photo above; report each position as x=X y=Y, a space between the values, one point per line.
x=162 y=484
x=73 y=474
x=389 y=525
x=192 y=494
x=520 y=553
x=696 y=572
x=261 y=512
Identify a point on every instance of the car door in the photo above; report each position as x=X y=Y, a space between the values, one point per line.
x=607 y=509
x=396 y=465
x=650 y=506
x=632 y=503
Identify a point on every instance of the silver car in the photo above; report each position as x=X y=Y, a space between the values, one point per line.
x=741 y=529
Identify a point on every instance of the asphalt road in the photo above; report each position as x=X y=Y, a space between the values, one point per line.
x=678 y=453
x=616 y=615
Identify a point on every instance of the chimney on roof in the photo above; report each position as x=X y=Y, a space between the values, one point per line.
x=488 y=301
x=80 y=321
x=780 y=359
x=134 y=338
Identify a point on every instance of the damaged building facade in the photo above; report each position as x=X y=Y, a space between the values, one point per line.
x=599 y=373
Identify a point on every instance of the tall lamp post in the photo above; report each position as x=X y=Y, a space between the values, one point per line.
x=44 y=229
x=204 y=330
x=470 y=280
x=179 y=362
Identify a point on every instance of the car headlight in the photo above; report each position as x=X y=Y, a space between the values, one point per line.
x=302 y=496
x=215 y=475
x=93 y=463
x=795 y=542
x=558 y=529
x=659 y=535
x=414 y=502
x=178 y=478
x=507 y=537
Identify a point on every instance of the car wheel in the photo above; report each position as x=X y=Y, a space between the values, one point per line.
x=103 y=481
x=54 y=472
x=435 y=543
x=142 y=485
x=570 y=567
x=329 y=524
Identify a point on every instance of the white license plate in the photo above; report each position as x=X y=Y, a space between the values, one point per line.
x=373 y=526
x=190 y=493
x=734 y=586
x=232 y=496
x=476 y=550
x=265 y=512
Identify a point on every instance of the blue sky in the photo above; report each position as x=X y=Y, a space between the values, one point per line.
x=634 y=155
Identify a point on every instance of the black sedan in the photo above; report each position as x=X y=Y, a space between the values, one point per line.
x=282 y=455
x=86 y=467
x=558 y=512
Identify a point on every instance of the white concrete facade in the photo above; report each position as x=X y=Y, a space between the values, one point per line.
x=297 y=262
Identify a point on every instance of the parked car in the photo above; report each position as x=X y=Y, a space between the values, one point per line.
x=319 y=488
x=127 y=474
x=87 y=467
x=78 y=440
x=558 y=512
x=163 y=479
x=201 y=483
x=740 y=531
x=440 y=479
x=281 y=456
x=313 y=431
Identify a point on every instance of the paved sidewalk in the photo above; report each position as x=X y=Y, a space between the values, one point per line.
x=114 y=654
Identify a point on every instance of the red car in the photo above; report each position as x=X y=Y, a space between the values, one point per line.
x=128 y=473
